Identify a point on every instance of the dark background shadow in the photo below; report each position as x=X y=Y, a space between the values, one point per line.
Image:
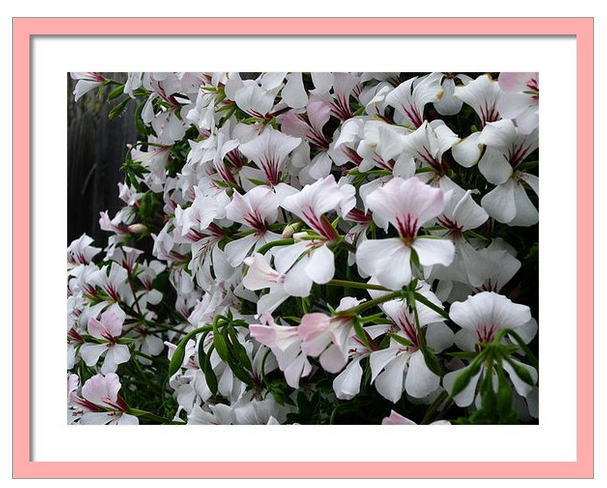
x=96 y=147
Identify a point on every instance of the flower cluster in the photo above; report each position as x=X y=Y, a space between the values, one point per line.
x=313 y=248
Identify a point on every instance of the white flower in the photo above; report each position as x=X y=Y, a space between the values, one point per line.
x=406 y=205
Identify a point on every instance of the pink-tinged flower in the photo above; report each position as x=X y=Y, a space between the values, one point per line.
x=255 y=210
x=255 y=97
x=381 y=146
x=314 y=257
x=129 y=195
x=486 y=313
x=155 y=159
x=506 y=149
x=410 y=97
x=401 y=367
x=115 y=225
x=285 y=343
x=495 y=267
x=108 y=329
x=114 y=284
x=345 y=85
x=269 y=151
x=297 y=267
x=87 y=81
x=310 y=128
x=520 y=100
x=80 y=251
x=261 y=275
x=315 y=200
x=126 y=257
x=483 y=95
x=196 y=221
x=461 y=213
x=101 y=404
x=328 y=337
x=406 y=205
x=397 y=419
x=428 y=144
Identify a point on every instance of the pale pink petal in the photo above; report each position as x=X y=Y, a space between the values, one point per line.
x=260 y=274
x=264 y=334
x=90 y=353
x=314 y=333
x=515 y=81
x=333 y=359
x=397 y=419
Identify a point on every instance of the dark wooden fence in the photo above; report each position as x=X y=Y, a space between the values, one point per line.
x=96 y=150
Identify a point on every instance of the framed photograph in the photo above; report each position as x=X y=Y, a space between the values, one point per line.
x=303 y=247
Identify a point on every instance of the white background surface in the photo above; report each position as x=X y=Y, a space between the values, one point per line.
x=451 y=8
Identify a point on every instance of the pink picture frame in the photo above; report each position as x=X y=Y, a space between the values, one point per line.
x=25 y=29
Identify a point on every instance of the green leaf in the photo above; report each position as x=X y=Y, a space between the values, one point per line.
x=401 y=340
x=177 y=359
x=360 y=332
x=209 y=374
x=239 y=351
x=119 y=108
x=115 y=93
x=504 y=395
x=461 y=382
x=521 y=372
x=431 y=360
x=220 y=344
x=139 y=124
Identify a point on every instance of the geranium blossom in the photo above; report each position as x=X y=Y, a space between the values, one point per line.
x=406 y=205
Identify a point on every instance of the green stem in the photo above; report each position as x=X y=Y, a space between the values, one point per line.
x=530 y=356
x=141 y=413
x=371 y=303
x=424 y=301
x=279 y=242
x=355 y=284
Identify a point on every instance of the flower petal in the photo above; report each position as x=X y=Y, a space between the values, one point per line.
x=420 y=381
x=321 y=265
x=434 y=251
x=347 y=384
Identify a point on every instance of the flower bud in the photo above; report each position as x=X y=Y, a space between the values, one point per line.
x=137 y=228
